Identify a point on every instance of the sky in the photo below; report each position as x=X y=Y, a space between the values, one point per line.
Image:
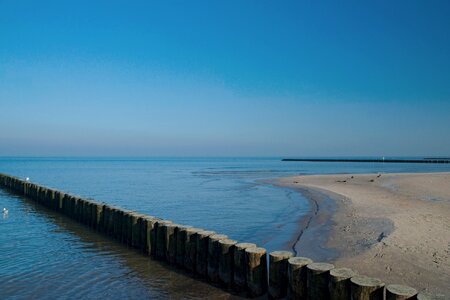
x=224 y=78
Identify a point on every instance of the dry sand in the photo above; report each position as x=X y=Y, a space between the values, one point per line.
x=392 y=226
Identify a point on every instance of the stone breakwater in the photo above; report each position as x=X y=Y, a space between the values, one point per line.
x=242 y=268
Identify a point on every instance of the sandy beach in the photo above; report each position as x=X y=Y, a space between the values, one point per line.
x=392 y=226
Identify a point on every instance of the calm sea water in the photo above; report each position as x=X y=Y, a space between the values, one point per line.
x=45 y=255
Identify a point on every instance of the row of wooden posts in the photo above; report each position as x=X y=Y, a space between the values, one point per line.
x=241 y=267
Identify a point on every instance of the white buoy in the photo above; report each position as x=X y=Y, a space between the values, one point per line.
x=5 y=210
x=27 y=179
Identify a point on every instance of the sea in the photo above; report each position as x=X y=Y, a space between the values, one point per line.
x=44 y=255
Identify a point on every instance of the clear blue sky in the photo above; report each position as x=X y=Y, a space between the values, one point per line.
x=225 y=78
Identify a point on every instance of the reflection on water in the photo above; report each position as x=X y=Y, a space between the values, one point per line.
x=46 y=255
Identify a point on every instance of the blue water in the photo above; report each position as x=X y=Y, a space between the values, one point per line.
x=222 y=194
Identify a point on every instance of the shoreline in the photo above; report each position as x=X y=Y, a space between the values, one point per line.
x=392 y=226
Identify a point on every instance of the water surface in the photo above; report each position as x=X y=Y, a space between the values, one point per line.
x=45 y=255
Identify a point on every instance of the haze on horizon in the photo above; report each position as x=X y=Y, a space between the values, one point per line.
x=234 y=78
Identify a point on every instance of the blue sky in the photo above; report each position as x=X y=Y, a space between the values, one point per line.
x=224 y=78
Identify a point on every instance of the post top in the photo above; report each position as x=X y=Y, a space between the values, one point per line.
x=429 y=296
x=256 y=250
x=227 y=242
x=342 y=272
x=181 y=226
x=320 y=266
x=218 y=237
x=242 y=246
x=300 y=261
x=401 y=290
x=367 y=281
x=164 y=222
x=206 y=232
x=281 y=254
x=193 y=229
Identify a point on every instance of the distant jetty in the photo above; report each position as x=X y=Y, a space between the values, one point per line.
x=427 y=160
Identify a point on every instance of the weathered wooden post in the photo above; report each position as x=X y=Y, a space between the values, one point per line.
x=162 y=240
x=429 y=296
x=149 y=235
x=122 y=226
x=340 y=283
x=297 y=277
x=256 y=259
x=99 y=217
x=317 y=278
x=113 y=221
x=81 y=214
x=142 y=233
x=68 y=202
x=74 y=207
x=171 y=254
x=80 y=210
x=108 y=220
x=92 y=213
x=57 y=200
x=202 y=252
x=190 y=251
x=400 y=292
x=213 y=256
x=44 y=198
x=278 y=273
x=226 y=255
x=366 y=288
x=180 y=241
x=240 y=266
x=135 y=229
x=92 y=209
x=152 y=232
x=105 y=228
x=54 y=200
x=63 y=200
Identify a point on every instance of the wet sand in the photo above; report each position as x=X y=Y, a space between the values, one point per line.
x=392 y=226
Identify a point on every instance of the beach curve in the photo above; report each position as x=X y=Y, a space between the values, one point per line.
x=392 y=226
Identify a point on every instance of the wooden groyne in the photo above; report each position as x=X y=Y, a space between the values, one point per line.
x=373 y=160
x=241 y=268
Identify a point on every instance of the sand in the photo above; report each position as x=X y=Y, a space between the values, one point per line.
x=395 y=227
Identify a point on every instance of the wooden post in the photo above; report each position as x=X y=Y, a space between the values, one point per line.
x=202 y=252
x=153 y=236
x=122 y=230
x=98 y=216
x=256 y=259
x=190 y=251
x=135 y=229
x=297 y=277
x=317 y=278
x=429 y=296
x=226 y=254
x=240 y=266
x=171 y=253
x=213 y=256
x=278 y=270
x=161 y=239
x=150 y=235
x=180 y=241
x=105 y=219
x=400 y=292
x=366 y=288
x=340 y=283
x=142 y=245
